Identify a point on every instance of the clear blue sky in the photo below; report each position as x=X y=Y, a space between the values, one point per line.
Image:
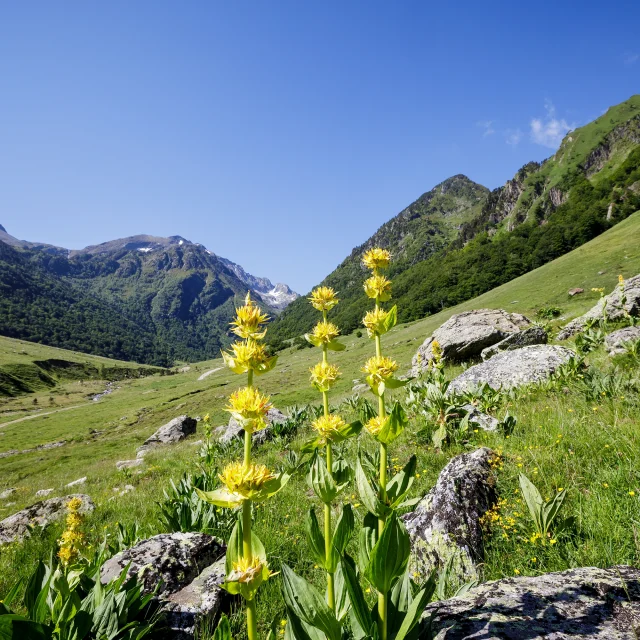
x=282 y=134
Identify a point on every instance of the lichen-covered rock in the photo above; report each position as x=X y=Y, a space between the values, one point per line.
x=233 y=430
x=610 y=305
x=175 y=431
x=465 y=335
x=578 y=604
x=445 y=525
x=524 y=338
x=616 y=340
x=480 y=419
x=129 y=464
x=509 y=369
x=16 y=527
x=187 y=569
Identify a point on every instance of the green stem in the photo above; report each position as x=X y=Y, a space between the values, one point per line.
x=252 y=624
x=328 y=539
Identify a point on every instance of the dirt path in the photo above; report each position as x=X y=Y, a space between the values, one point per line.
x=46 y=413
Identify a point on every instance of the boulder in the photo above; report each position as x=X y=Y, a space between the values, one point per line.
x=575 y=291
x=524 y=338
x=593 y=603
x=16 y=527
x=129 y=464
x=616 y=340
x=7 y=493
x=509 y=369
x=445 y=526
x=233 y=430
x=187 y=568
x=465 y=335
x=178 y=429
x=41 y=493
x=610 y=305
x=480 y=419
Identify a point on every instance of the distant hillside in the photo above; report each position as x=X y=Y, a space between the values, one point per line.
x=144 y=298
x=546 y=210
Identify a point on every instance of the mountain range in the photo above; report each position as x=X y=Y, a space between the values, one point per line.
x=145 y=298
x=160 y=300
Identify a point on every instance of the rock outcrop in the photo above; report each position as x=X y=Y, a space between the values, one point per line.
x=187 y=568
x=465 y=335
x=16 y=527
x=616 y=340
x=480 y=419
x=233 y=430
x=610 y=305
x=510 y=369
x=175 y=431
x=593 y=603
x=524 y=338
x=445 y=526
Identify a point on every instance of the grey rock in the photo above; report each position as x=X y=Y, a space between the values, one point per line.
x=575 y=291
x=577 y=604
x=43 y=492
x=175 y=431
x=16 y=527
x=616 y=340
x=187 y=568
x=360 y=388
x=610 y=305
x=233 y=430
x=129 y=464
x=465 y=335
x=7 y=493
x=445 y=526
x=482 y=420
x=509 y=369
x=524 y=338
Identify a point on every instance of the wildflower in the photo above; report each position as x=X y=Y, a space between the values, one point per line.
x=376 y=322
x=378 y=287
x=323 y=298
x=245 y=482
x=436 y=351
x=325 y=332
x=249 y=407
x=376 y=258
x=324 y=375
x=248 y=355
x=246 y=576
x=516 y=572
x=249 y=320
x=329 y=427
x=72 y=537
x=380 y=368
x=599 y=290
x=374 y=425
x=621 y=280
x=632 y=493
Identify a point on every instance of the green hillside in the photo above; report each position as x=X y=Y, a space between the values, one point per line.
x=546 y=210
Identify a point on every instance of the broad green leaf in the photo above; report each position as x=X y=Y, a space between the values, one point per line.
x=395 y=383
x=14 y=627
x=391 y=319
x=223 y=630
x=367 y=494
x=351 y=429
x=367 y=539
x=390 y=555
x=533 y=499
x=341 y=535
x=400 y=484
x=315 y=538
x=266 y=366
x=359 y=606
x=320 y=480
x=414 y=612
x=305 y=602
x=394 y=425
x=311 y=339
x=34 y=587
x=334 y=345
x=439 y=436
x=341 y=594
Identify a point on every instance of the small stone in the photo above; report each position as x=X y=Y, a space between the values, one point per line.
x=129 y=464
x=77 y=482
x=43 y=492
x=575 y=292
x=7 y=492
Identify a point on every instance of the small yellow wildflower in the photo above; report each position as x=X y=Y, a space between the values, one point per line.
x=328 y=427
x=325 y=332
x=376 y=258
x=436 y=351
x=378 y=287
x=72 y=537
x=632 y=493
x=374 y=425
x=620 y=280
x=324 y=375
x=249 y=407
x=249 y=320
x=380 y=368
x=323 y=298
x=245 y=482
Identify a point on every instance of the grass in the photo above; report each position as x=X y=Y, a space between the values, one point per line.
x=561 y=440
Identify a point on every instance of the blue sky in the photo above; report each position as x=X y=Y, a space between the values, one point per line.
x=282 y=134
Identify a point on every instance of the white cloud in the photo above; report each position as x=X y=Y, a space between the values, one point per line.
x=549 y=130
x=631 y=58
x=487 y=125
x=513 y=136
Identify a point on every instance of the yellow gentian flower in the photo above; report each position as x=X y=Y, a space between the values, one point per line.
x=376 y=258
x=374 y=425
x=325 y=332
x=246 y=355
x=324 y=375
x=328 y=427
x=249 y=320
x=245 y=482
x=249 y=407
x=380 y=368
x=378 y=287
x=374 y=322
x=323 y=298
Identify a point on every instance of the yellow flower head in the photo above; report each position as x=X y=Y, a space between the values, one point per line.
x=380 y=368
x=374 y=322
x=324 y=375
x=597 y=289
x=245 y=355
x=374 y=425
x=620 y=280
x=378 y=287
x=323 y=298
x=249 y=320
x=74 y=504
x=245 y=570
x=249 y=407
x=325 y=332
x=328 y=427
x=376 y=258
x=245 y=482
x=436 y=351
